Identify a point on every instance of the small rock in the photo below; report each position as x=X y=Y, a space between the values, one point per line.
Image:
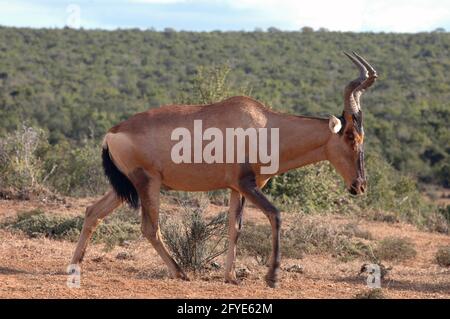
x=126 y=243
x=124 y=256
x=242 y=273
x=97 y=259
x=384 y=271
x=295 y=268
x=215 y=265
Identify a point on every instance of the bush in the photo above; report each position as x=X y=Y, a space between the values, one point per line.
x=395 y=249
x=312 y=236
x=353 y=230
x=112 y=231
x=306 y=236
x=21 y=168
x=194 y=241
x=312 y=188
x=443 y=256
x=77 y=170
x=36 y=223
x=445 y=212
x=212 y=84
x=255 y=242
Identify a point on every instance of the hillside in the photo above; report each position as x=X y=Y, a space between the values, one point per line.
x=77 y=84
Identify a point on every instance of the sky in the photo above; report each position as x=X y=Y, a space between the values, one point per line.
x=230 y=15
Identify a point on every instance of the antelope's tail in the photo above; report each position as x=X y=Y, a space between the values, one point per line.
x=119 y=181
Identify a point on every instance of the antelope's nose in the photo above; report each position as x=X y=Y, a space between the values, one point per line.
x=358 y=187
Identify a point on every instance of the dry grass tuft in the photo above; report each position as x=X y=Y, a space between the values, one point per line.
x=376 y=293
x=443 y=256
x=395 y=249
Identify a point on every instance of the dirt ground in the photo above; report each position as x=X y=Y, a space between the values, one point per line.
x=35 y=268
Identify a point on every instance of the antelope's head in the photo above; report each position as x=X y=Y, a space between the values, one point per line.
x=345 y=149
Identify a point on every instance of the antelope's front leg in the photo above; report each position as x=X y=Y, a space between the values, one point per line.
x=252 y=192
x=234 y=228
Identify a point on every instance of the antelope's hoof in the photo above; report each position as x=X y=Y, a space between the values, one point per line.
x=184 y=277
x=272 y=282
x=232 y=281
x=180 y=275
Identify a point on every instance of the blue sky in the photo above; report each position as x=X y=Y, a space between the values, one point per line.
x=204 y=15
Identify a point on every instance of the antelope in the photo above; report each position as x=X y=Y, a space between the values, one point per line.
x=136 y=157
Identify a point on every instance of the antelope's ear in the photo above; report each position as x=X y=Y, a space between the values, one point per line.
x=334 y=124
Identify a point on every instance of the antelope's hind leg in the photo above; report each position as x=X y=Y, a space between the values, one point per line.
x=93 y=215
x=148 y=188
x=234 y=228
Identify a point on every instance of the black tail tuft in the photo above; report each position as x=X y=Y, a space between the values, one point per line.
x=121 y=184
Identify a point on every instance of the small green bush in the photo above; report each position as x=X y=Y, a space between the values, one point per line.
x=314 y=188
x=315 y=237
x=36 y=223
x=112 y=231
x=306 y=236
x=443 y=256
x=212 y=84
x=353 y=230
x=395 y=249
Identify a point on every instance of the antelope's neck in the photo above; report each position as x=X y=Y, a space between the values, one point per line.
x=302 y=141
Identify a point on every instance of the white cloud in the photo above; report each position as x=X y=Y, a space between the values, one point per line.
x=159 y=1
x=352 y=15
x=407 y=16
x=29 y=14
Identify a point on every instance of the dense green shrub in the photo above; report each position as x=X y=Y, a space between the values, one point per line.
x=311 y=188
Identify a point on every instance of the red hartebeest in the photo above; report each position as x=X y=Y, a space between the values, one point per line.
x=137 y=161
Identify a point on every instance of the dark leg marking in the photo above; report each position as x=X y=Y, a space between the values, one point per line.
x=250 y=190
